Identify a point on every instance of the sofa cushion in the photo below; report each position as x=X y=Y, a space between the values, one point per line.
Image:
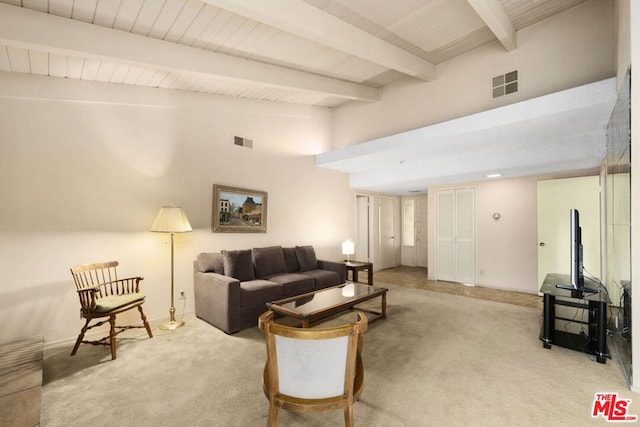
x=268 y=261
x=306 y=257
x=293 y=283
x=238 y=264
x=258 y=292
x=210 y=263
x=291 y=260
x=323 y=278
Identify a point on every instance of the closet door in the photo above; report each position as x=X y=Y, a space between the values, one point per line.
x=445 y=234
x=455 y=240
x=465 y=247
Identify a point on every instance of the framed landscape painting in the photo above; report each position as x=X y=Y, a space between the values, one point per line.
x=238 y=210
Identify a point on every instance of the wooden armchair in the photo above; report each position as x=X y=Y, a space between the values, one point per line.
x=312 y=370
x=103 y=295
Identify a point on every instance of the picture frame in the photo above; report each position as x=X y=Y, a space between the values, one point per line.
x=238 y=210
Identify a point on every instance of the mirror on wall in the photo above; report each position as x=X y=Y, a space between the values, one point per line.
x=618 y=214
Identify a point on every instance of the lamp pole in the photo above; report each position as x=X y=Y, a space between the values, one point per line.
x=172 y=324
x=171 y=219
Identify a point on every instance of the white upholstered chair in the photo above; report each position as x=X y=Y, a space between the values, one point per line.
x=312 y=370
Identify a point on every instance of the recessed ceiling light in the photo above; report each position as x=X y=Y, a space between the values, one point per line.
x=493 y=175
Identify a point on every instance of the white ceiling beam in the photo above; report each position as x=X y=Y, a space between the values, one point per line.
x=302 y=19
x=34 y=30
x=492 y=13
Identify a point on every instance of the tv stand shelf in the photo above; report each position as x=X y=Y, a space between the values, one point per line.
x=595 y=341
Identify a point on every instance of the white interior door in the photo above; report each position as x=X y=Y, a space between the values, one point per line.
x=455 y=240
x=386 y=233
x=556 y=198
x=421 y=232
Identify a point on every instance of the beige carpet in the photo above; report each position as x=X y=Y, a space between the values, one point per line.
x=437 y=360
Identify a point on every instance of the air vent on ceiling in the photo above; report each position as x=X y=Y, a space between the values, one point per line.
x=242 y=142
x=505 y=84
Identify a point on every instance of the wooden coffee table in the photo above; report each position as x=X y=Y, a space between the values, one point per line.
x=317 y=305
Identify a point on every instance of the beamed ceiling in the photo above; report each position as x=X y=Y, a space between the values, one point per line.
x=311 y=52
x=314 y=52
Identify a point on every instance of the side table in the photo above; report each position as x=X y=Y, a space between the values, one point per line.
x=355 y=266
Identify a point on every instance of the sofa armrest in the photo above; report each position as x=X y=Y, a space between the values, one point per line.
x=196 y=267
x=338 y=267
x=217 y=300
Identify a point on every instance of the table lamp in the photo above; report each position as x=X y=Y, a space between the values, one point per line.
x=348 y=248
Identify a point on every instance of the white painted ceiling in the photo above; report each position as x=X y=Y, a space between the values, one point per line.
x=311 y=52
x=553 y=134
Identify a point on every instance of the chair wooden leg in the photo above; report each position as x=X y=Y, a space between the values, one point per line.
x=112 y=336
x=144 y=320
x=79 y=340
x=273 y=414
x=348 y=416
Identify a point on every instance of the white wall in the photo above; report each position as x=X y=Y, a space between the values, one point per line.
x=506 y=250
x=568 y=50
x=85 y=167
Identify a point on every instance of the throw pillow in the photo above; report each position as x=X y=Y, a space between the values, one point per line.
x=237 y=264
x=210 y=263
x=306 y=258
x=291 y=260
x=268 y=261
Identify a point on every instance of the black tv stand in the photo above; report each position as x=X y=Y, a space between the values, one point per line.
x=579 y=290
x=595 y=340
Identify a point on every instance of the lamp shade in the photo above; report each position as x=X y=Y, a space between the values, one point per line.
x=348 y=247
x=171 y=219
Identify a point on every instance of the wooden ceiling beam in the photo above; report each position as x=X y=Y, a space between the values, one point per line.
x=492 y=13
x=30 y=29
x=303 y=20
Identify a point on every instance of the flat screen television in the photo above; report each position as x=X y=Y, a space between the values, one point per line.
x=576 y=276
x=577 y=267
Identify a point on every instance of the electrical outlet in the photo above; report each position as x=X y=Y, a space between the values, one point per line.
x=181 y=294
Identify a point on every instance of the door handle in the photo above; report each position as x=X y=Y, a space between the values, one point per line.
x=541 y=244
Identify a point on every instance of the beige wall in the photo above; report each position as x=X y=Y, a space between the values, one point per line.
x=569 y=50
x=85 y=167
x=506 y=250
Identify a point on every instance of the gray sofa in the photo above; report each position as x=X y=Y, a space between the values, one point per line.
x=232 y=287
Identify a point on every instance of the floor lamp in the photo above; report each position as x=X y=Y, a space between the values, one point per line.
x=171 y=219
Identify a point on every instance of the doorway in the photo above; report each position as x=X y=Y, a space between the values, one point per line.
x=414 y=232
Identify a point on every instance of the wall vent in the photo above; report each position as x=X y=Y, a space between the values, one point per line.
x=505 y=84
x=242 y=142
